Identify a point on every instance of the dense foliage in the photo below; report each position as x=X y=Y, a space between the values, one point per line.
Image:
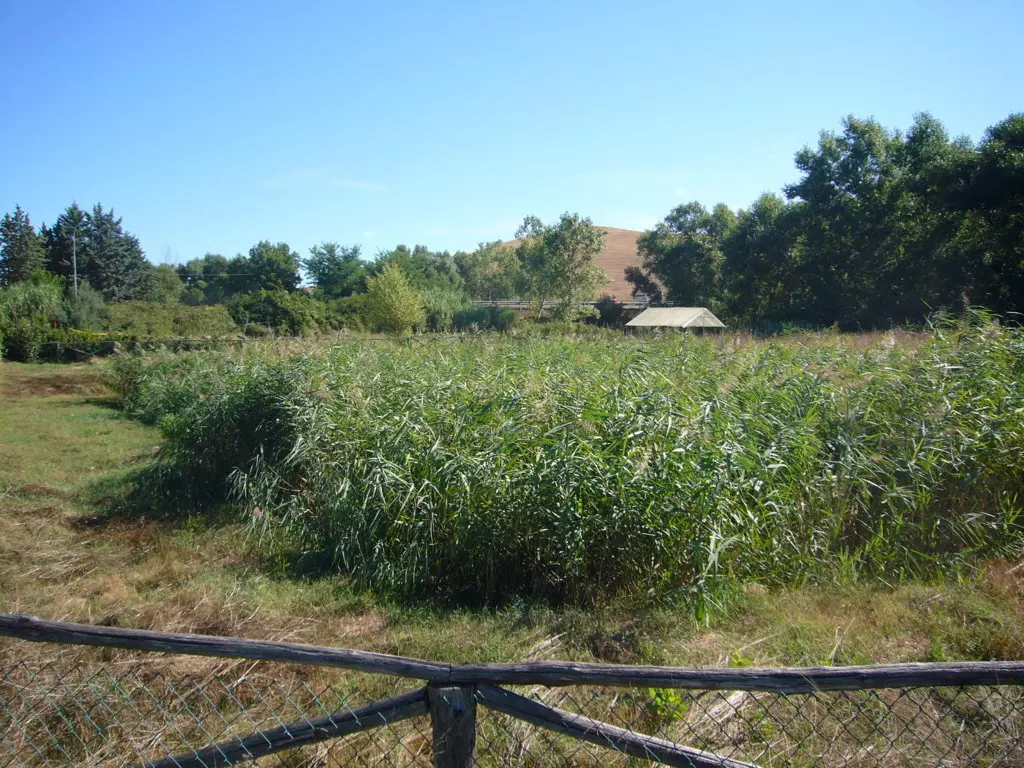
x=494 y=468
x=28 y=310
x=882 y=228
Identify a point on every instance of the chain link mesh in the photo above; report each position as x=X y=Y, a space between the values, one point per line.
x=115 y=715
x=125 y=711
x=982 y=725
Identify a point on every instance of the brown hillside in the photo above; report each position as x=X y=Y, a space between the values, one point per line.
x=619 y=252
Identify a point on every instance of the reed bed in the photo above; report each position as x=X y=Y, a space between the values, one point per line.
x=567 y=470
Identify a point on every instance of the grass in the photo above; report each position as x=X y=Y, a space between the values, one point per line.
x=491 y=470
x=66 y=455
x=69 y=549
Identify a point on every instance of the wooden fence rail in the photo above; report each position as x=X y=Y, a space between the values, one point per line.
x=453 y=690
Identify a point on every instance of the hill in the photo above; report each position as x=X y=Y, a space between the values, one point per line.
x=619 y=252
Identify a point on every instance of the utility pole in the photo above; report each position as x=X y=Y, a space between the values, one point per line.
x=74 y=259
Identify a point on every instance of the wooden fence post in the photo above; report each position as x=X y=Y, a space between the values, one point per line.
x=453 y=717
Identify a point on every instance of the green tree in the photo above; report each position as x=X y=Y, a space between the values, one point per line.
x=115 y=265
x=270 y=267
x=66 y=243
x=336 y=270
x=394 y=305
x=490 y=272
x=987 y=188
x=685 y=253
x=164 y=285
x=213 y=279
x=21 y=248
x=759 y=268
x=422 y=267
x=557 y=262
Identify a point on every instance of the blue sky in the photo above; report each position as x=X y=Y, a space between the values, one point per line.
x=209 y=126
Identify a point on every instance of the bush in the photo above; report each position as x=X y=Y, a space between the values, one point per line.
x=70 y=344
x=292 y=314
x=155 y=320
x=27 y=312
x=87 y=311
x=441 y=305
x=484 y=318
x=609 y=312
x=394 y=305
x=349 y=312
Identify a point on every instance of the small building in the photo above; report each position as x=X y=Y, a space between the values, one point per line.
x=683 y=318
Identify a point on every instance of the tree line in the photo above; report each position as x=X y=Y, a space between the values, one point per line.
x=883 y=227
x=106 y=281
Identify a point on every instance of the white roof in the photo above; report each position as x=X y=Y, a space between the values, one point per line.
x=676 y=317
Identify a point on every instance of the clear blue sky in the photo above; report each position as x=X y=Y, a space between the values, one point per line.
x=211 y=125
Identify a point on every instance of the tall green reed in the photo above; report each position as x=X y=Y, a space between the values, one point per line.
x=568 y=470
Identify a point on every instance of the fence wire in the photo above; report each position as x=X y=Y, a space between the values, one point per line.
x=128 y=712
x=978 y=725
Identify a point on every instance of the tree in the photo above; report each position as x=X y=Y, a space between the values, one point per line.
x=116 y=265
x=557 y=262
x=394 y=305
x=209 y=280
x=423 y=268
x=336 y=270
x=490 y=272
x=21 y=248
x=270 y=267
x=164 y=285
x=685 y=253
x=987 y=188
x=759 y=267
x=645 y=283
x=66 y=243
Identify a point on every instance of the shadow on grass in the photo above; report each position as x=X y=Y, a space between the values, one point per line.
x=155 y=492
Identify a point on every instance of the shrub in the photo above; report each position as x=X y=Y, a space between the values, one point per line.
x=394 y=306
x=27 y=311
x=440 y=307
x=609 y=312
x=293 y=314
x=87 y=311
x=349 y=312
x=155 y=320
x=484 y=318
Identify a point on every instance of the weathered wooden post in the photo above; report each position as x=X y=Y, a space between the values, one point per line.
x=453 y=717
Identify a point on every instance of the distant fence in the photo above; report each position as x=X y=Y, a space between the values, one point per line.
x=524 y=305
x=299 y=705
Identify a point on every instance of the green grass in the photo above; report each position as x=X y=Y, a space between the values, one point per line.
x=71 y=549
x=66 y=457
x=499 y=470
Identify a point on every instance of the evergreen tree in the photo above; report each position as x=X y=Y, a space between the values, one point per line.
x=21 y=248
x=117 y=267
x=66 y=241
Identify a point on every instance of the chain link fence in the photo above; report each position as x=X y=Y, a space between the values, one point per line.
x=130 y=712
x=207 y=701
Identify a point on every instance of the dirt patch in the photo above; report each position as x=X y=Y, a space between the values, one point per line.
x=19 y=385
